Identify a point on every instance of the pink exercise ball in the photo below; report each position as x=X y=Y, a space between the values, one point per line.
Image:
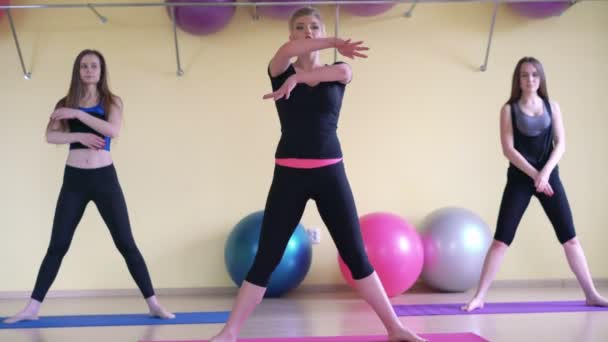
x=3 y=2
x=394 y=249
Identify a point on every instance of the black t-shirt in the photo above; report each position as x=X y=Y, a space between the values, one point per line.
x=309 y=119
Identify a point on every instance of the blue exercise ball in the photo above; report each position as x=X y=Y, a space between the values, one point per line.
x=242 y=246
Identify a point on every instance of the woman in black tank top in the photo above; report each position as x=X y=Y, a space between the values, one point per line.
x=533 y=144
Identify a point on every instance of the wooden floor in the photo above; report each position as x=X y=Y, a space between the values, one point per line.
x=322 y=314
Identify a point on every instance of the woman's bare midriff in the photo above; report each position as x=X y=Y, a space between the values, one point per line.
x=89 y=158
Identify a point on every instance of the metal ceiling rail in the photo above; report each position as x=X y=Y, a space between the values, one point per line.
x=337 y=3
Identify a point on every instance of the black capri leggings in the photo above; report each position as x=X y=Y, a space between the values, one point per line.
x=79 y=187
x=516 y=197
x=290 y=190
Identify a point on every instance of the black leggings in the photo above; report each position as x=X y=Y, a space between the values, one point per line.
x=516 y=197
x=290 y=190
x=79 y=187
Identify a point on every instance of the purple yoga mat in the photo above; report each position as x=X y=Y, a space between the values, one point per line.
x=496 y=308
x=454 y=337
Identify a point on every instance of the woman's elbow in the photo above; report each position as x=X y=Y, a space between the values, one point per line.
x=114 y=133
x=285 y=50
x=48 y=136
x=506 y=152
x=346 y=74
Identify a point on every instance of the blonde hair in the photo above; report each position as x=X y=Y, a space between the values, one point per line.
x=304 y=12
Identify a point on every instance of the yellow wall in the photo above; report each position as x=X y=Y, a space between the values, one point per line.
x=419 y=131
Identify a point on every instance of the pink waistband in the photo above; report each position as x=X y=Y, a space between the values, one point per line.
x=300 y=163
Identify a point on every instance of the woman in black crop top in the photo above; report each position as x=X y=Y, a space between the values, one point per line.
x=87 y=118
x=309 y=165
x=533 y=140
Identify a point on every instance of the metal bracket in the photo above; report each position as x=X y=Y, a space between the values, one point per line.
x=484 y=67
x=26 y=74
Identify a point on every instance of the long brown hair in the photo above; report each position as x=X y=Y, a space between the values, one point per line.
x=76 y=91
x=515 y=86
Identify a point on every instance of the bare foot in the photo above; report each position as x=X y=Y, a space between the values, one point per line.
x=597 y=301
x=474 y=304
x=405 y=335
x=223 y=337
x=22 y=316
x=160 y=312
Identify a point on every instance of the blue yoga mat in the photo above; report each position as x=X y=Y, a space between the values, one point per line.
x=222 y=316
x=118 y=320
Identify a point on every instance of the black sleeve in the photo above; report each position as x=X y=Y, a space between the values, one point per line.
x=278 y=80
